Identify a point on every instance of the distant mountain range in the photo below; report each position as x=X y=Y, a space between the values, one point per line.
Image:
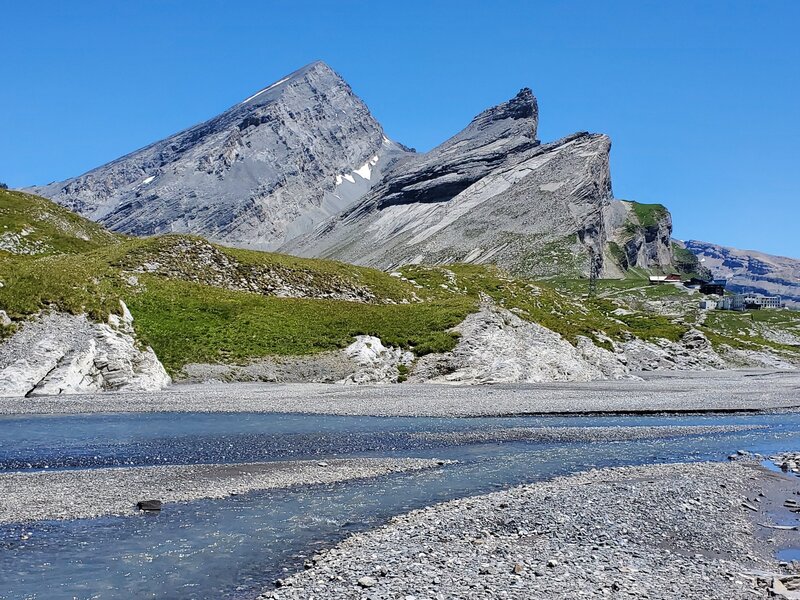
x=751 y=271
x=302 y=166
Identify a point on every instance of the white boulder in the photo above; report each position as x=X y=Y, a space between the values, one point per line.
x=376 y=363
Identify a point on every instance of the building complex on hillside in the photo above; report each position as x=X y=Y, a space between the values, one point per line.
x=749 y=302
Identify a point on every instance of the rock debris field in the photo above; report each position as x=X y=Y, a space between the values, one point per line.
x=659 y=532
x=545 y=435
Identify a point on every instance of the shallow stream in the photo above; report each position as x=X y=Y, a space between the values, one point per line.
x=235 y=547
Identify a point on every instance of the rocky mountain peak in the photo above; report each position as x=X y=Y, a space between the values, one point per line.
x=521 y=106
x=316 y=74
x=265 y=170
x=494 y=194
x=496 y=136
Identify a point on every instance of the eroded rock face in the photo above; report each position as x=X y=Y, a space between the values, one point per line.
x=58 y=353
x=258 y=174
x=496 y=346
x=636 y=245
x=376 y=362
x=491 y=194
x=693 y=352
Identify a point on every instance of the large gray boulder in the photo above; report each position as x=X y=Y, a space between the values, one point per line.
x=262 y=172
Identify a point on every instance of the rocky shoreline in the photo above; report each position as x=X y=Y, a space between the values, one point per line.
x=672 y=532
x=91 y=493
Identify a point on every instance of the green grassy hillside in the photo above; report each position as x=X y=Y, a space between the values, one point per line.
x=649 y=215
x=194 y=301
x=31 y=225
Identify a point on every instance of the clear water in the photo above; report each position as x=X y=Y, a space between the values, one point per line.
x=235 y=547
x=788 y=554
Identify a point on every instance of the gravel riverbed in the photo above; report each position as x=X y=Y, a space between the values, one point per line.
x=714 y=391
x=673 y=532
x=90 y=493
x=551 y=435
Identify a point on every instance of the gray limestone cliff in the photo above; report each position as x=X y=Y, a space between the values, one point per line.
x=262 y=172
x=491 y=194
x=302 y=166
x=638 y=235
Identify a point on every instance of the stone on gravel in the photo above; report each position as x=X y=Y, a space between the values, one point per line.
x=149 y=505
x=88 y=493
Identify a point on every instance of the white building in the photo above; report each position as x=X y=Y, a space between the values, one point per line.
x=708 y=304
x=762 y=301
x=745 y=301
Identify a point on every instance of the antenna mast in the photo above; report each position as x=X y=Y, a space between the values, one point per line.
x=593 y=272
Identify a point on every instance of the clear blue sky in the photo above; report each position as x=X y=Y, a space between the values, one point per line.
x=701 y=99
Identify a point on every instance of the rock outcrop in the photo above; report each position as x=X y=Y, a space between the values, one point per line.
x=262 y=172
x=693 y=352
x=491 y=194
x=58 y=353
x=376 y=363
x=198 y=261
x=496 y=346
x=638 y=235
x=748 y=271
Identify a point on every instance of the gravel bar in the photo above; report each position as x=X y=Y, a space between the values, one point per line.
x=560 y=435
x=90 y=493
x=712 y=391
x=672 y=532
